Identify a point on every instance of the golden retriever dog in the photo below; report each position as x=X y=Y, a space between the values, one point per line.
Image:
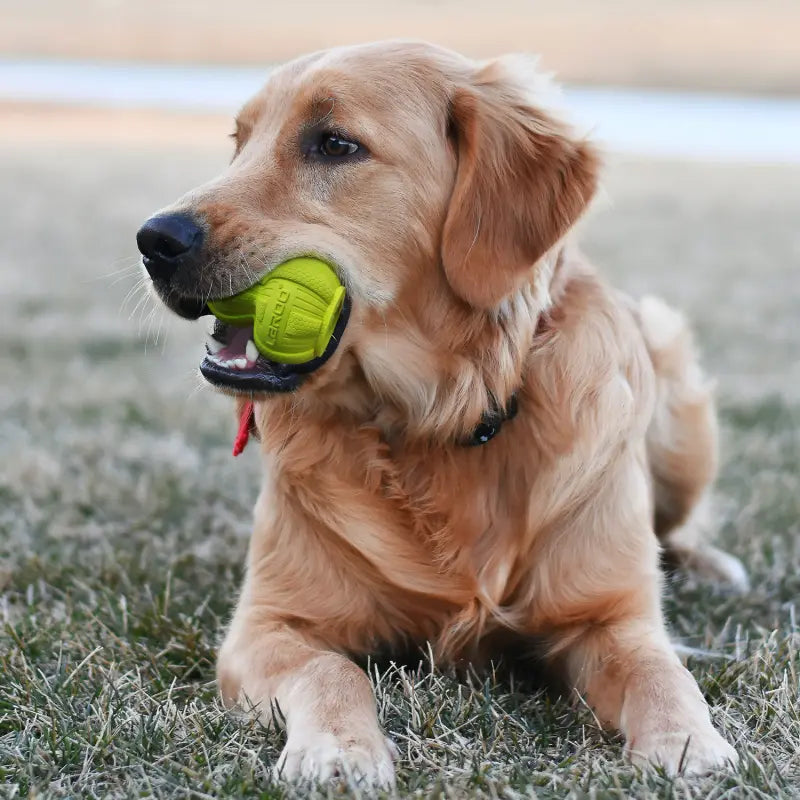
x=500 y=445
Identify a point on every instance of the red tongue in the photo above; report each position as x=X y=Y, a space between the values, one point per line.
x=246 y=421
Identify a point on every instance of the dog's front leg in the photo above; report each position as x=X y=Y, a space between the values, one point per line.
x=632 y=678
x=326 y=700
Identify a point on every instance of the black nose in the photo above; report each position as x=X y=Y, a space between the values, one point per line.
x=167 y=241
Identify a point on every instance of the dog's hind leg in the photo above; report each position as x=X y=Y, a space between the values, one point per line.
x=682 y=446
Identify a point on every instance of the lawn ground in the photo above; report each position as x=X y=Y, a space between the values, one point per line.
x=124 y=520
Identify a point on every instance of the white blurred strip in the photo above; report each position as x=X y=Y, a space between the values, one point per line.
x=691 y=125
x=130 y=85
x=633 y=121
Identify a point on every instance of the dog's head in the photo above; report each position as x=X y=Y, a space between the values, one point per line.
x=437 y=187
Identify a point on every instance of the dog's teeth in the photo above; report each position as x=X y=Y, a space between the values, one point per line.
x=213 y=345
x=240 y=363
x=251 y=351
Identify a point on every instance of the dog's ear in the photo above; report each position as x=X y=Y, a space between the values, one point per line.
x=522 y=181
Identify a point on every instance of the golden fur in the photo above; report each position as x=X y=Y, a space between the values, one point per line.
x=375 y=526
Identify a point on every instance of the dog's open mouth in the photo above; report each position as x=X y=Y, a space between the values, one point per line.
x=233 y=362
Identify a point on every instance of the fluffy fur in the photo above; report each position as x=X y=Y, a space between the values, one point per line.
x=375 y=526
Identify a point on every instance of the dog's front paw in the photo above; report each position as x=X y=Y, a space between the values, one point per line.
x=683 y=752
x=320 y=756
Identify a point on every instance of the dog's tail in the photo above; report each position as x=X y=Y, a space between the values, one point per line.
x=682 y=444
x=682 y=437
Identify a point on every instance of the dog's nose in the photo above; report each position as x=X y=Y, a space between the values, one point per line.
x=168 y=240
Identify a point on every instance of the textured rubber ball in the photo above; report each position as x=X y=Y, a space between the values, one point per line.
x=293 y=310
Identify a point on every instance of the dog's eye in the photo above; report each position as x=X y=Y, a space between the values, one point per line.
x=333 y=146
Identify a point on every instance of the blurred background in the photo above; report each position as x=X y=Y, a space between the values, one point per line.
x=204 y=56
x=732 y=45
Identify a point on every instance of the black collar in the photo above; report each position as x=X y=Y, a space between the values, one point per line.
x=491 y=422
x=493 y=419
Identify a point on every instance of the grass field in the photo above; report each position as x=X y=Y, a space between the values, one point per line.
x=124 y=521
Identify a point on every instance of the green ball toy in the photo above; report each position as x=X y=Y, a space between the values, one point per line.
x=293 y=310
